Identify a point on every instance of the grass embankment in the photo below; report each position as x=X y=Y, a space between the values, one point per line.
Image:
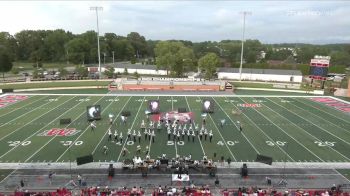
x=52 y=84
x=73 y=91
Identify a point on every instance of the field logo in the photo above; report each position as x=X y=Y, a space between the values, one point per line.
x=59 y=132
x=249 y=105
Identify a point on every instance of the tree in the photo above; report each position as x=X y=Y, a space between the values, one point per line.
x=5 y=63
x=208 y=64
x=174 y=57
x=81 y=70
x=126 y=71
x=139 y=43
x=136 y=75
x=63 y=72
x=109 y=72
x=35 y=73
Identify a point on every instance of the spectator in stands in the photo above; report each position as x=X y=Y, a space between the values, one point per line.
x=79 y=178
x=22 y=183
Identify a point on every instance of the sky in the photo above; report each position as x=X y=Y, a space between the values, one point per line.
x=317 y=22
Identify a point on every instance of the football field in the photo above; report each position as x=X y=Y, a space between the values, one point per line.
x=292 y=129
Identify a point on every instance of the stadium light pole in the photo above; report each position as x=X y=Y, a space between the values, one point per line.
x=96 y=9
x=245 y=13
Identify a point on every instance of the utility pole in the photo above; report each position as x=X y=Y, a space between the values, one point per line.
x=113 y=57
x=67 y=57
x=104 y=58
x=240 y=67
x=98 y=39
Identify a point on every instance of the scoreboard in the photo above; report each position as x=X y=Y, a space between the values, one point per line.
x=319 y=68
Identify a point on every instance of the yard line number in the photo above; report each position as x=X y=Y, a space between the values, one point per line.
x=52 y=100
x=140 y=100
x=171 y=100
x=171 y=143
x=82 y=100
x=68 y=143
x=325 y=143
x=112 y=100
x=277 y=143
x=16 y=143
x=230 y=143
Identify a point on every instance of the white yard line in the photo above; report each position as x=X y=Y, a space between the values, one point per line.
x=331 y=108
x=287 y=133
x=116 y=117
x=132 y=125
x=323 y=112
x=26 y=105
x=23 y=114
x=200 y=142
x=19 y=128
x=87 y=127
x=302 y=129
x=150 y=144
x=253 y=123
x=3 y=180
x=43 y=146
x=233 y=156
x=236 y=126
x=39 y=129
x=324 y=130
x=341 y=175
x=172 y=109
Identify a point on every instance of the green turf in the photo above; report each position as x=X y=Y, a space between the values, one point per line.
x=51 y=84
x=294 y=129
x=345 y=173
x=4 y=173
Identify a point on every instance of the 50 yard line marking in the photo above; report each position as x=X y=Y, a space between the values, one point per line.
x=172 y=108
x=132 y=125
x=93 y=152
x=87 y=127
x=150 y=141
x=200 y=142
x=262 y=132
x=43 y=146
x=39 y=129
x=221 y=135
x=23 y=105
